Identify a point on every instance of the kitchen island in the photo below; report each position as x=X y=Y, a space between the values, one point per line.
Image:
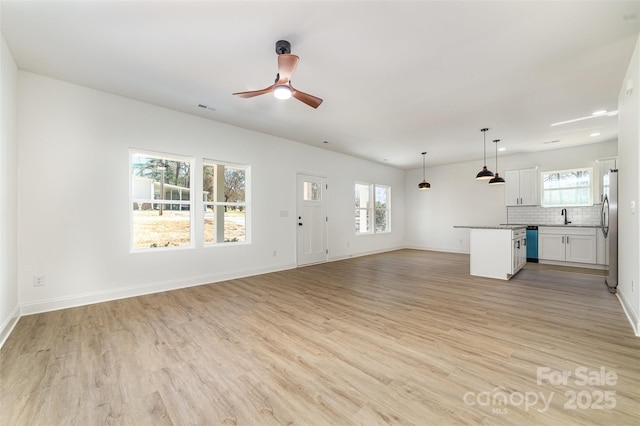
x=497 y=251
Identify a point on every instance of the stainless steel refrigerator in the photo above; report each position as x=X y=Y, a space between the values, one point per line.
x=609 y=222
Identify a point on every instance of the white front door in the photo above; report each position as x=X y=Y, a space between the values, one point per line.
x=312 y=220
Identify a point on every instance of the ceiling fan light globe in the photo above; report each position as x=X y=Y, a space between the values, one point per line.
x=282 y=92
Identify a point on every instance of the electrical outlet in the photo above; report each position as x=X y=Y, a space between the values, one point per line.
x=632 y=285
x=275 y=253
x=38 y=280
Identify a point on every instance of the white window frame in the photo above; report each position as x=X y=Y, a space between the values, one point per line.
x=138 y=199
x=245 y=203
x=580 y=169
x=371 y=210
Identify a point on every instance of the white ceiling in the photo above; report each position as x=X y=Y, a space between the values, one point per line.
x=397 y=77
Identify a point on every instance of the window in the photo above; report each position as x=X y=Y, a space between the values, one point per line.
x=363 y=208
x=373 y=208
x=382 y=208
x=161 y=201
x=225 y=207
x=566 y=188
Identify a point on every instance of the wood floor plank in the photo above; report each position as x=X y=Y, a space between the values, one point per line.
x=406 y=337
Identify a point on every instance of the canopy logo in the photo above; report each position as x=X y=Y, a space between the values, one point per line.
x=499 y=399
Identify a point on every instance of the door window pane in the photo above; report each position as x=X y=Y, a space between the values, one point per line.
x=312 y=191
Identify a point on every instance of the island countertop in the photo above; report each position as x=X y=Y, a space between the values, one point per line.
x=557 y=225
x=507 y=227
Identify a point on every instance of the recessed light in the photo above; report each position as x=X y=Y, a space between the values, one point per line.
x=502 y=149
x=594 y=134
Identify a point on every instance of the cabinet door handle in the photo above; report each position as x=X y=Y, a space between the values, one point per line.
x=567 y=239
x=563 y=240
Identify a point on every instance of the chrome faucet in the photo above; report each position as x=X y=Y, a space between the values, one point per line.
x=566 y=217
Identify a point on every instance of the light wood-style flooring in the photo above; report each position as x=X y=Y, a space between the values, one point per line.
x=406 y=337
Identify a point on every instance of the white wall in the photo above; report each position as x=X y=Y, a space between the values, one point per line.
x=9 y=309
x=456 y=198
x=73 y=196
x=629 y=191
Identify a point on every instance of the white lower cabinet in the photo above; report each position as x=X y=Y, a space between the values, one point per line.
x=566 y=244
x=518 y=250
x=497 y=253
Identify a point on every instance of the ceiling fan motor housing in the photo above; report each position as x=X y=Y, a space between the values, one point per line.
x=283 y=47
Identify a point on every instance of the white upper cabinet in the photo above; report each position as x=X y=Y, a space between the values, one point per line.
x=522 y=187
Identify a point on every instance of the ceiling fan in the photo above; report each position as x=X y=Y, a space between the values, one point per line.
x=282 y=88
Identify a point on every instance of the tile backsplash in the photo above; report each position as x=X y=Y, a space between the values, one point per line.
x=530 y=215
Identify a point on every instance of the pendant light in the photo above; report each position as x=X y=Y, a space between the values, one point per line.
x=484 y=174
x=424 y=185
x=497 y=180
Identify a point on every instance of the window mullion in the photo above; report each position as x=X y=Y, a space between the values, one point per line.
x=197 y=218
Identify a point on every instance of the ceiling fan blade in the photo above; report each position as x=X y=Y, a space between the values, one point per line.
x=286 y=66
x=253 y=93
x=308 y=99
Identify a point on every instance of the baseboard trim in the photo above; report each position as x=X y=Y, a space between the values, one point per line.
x=573 y=264
x=628 y=311
x=439 y=249
x=9 y=324
x=366 y=253
x=65 y=302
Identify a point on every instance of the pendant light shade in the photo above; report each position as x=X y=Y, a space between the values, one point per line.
x=497 y=180
x=485 y=173
x=424 y=185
